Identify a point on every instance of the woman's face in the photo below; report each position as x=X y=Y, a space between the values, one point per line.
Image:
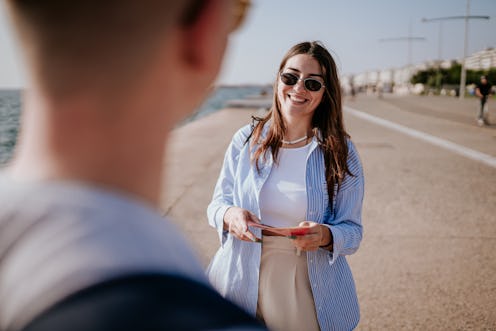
x=296 y=100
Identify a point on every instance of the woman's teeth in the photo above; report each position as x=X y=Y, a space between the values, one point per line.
x=297 y=99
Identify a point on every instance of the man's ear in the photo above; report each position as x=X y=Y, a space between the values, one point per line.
x=205 y=38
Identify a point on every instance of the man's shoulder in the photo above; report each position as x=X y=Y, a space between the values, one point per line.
x=146 y=302
x=73 y=237
x=81 y=217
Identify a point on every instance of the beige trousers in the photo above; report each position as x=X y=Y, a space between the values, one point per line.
x=285 y=300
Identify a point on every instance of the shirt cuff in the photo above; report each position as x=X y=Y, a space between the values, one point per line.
x=337 y=242
x=219 y=224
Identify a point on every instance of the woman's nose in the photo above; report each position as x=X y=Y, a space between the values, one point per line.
x=300 y=85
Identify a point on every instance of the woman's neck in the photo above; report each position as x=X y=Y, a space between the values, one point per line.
x=295 y=130
x=297 y=135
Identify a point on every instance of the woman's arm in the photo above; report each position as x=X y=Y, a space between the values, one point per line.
x=346 y=223
x=221 y=212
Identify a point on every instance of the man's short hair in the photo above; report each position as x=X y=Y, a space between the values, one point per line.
x=95 y=41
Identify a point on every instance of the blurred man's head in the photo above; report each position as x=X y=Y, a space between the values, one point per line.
x=74 y=47
x=483 y=79
x=109 y=79
x=91 y=40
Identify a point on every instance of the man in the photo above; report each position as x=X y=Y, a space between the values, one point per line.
x=483 y=90
x=82 y=246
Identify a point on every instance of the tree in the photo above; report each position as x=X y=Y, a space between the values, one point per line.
x=437 y=77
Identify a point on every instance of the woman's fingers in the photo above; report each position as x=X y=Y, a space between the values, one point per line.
x=252 y=218
x=310 y=241
x=247 y=236
x=238 y=220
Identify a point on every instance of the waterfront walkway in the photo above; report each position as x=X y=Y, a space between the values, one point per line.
x=427 y=259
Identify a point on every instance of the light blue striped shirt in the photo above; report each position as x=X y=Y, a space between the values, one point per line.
x=235 y=267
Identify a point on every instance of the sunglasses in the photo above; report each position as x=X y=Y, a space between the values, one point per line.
x=311 y=84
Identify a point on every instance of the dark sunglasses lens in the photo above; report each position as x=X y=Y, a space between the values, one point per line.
x=313 y=85
x=289 y=79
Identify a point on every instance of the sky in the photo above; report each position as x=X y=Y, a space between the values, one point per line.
x=352 y=31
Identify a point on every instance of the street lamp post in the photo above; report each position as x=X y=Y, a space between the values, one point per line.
x=439 y=37
x=463 y=76
x=467 y=17
x=409 y=40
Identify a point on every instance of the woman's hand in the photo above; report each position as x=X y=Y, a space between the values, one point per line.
x=318 y=235
x=236 y=221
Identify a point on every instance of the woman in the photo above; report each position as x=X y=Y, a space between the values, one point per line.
x=294 y=167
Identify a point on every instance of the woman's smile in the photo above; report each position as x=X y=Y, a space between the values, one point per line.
x=296 y=99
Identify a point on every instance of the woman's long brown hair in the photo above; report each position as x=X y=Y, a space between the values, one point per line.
x=327 y=120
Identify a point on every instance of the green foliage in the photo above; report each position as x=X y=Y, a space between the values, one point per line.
x=491 y=76
x=421 y=77
x=435 y=78
x=453 y=74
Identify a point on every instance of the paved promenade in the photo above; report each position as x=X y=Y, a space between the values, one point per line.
x=427 y=260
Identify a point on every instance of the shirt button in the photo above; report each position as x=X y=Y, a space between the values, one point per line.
x=310 y=187
x=311 y=260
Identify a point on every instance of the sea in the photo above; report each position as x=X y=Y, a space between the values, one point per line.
x=11 y=105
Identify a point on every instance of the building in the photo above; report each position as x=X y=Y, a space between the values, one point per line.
x=481 y=60
x=397 y=80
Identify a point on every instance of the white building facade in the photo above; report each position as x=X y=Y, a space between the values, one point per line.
x=481 y=60
x=397 y=80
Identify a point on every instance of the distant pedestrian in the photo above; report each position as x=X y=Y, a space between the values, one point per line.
x=352 y=91
x=380 y=89
x=483 y=91
x=294 y=168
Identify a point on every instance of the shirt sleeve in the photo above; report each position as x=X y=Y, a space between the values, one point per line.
x=222 y=198
x=346 y=223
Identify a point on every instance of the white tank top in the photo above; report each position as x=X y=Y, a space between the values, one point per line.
x=283 y=198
